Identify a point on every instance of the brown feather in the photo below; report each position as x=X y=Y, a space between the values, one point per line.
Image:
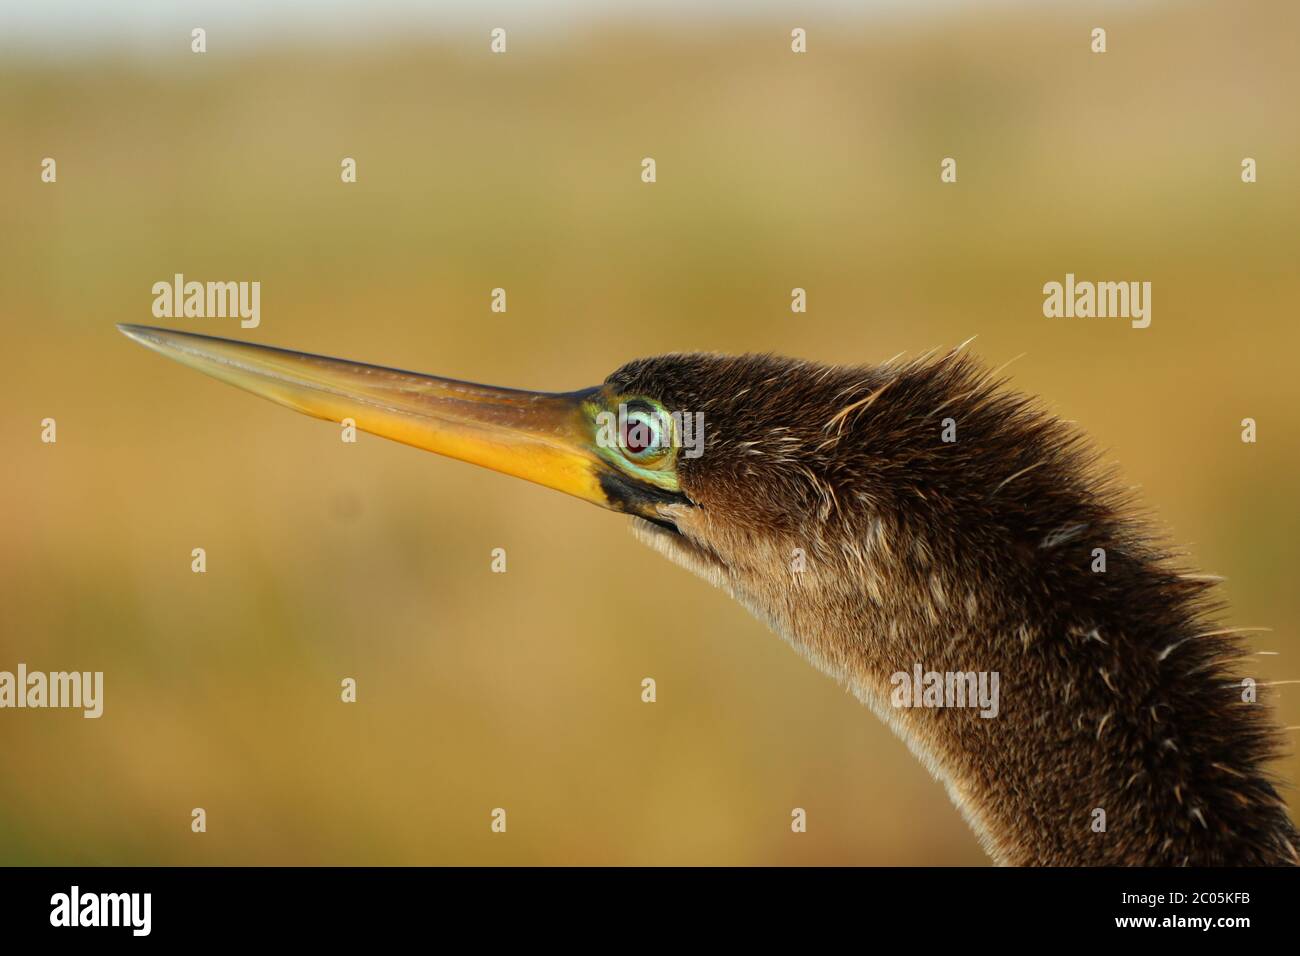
x=1116 y=688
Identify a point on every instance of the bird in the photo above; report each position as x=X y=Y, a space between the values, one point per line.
x=907 y=517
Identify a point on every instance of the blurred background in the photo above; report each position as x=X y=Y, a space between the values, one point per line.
x=479 y=690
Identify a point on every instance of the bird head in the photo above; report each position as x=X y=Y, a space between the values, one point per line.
x=767 y=486
x=722 y=460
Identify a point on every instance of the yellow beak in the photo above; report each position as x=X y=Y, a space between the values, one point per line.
x=547 y=438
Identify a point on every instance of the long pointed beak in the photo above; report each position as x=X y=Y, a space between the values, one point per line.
x=543 y=437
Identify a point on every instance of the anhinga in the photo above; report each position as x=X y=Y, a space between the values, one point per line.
x=883 y=518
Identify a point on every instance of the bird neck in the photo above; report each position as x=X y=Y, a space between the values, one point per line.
x=1079 y=711
x=921 y=518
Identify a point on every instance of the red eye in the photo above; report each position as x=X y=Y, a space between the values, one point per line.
x=642 y=434
x=638 y=437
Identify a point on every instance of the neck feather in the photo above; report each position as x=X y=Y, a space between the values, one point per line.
x=1104 y=731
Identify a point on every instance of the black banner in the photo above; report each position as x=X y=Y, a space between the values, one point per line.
x=931 y=906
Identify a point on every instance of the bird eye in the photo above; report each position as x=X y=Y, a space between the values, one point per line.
x=638 y=436
x=643 y=434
